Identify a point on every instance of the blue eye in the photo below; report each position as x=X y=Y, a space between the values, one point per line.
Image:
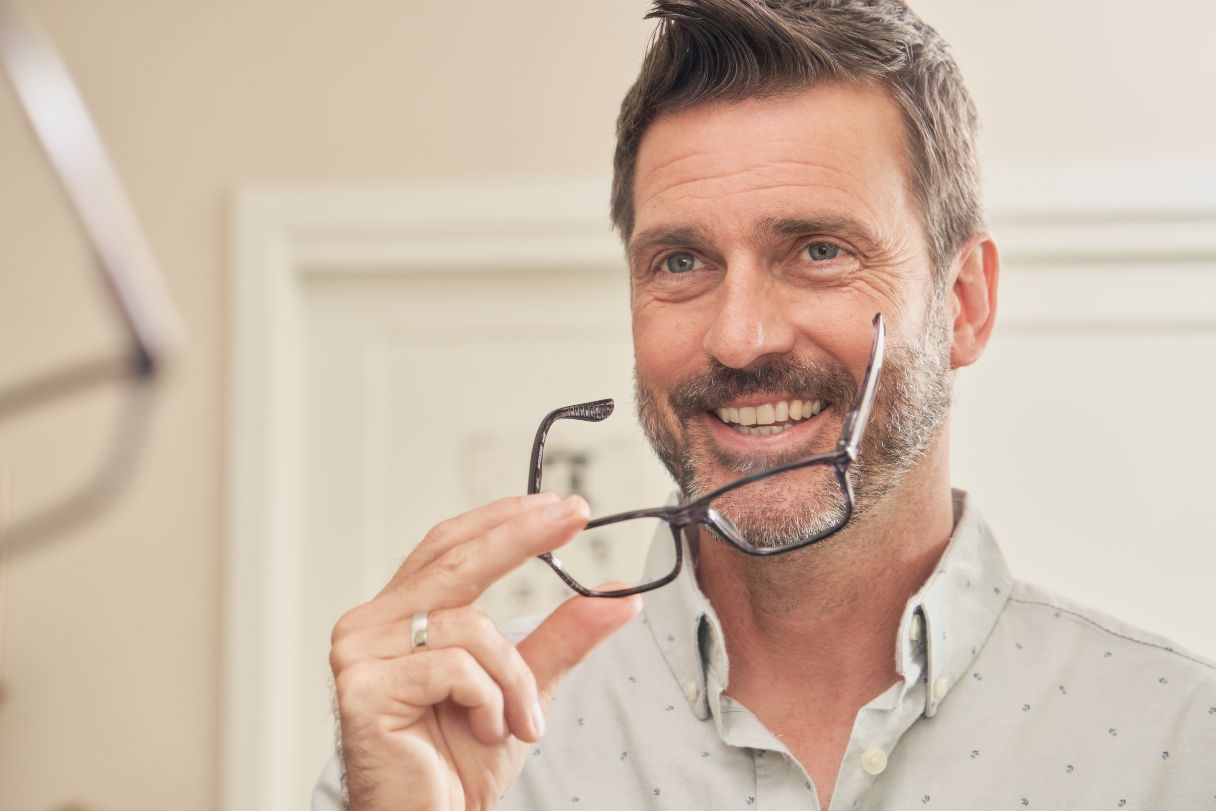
x=822 y=251
x=681 y=262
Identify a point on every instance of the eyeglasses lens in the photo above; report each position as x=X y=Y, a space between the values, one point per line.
x=620 y=553
x=782 y=509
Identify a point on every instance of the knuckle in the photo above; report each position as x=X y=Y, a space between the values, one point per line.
x=474 y=623
x=519 y=676
x=341 y=655
x=458 y=557
x=515 y=674
x=356 y=684
x=482 y=622
x=440 y=533
x=451 y=568
x=462 y=666
x=462 y=662
x=347 y=623
x=482 y=638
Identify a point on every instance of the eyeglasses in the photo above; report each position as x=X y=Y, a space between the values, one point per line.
x=62 y=125
x=801 y=486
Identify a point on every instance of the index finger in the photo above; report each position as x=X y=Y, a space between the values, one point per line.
x=463 y=572
x=464 y=527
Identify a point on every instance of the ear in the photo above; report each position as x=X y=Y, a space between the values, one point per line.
x=972 y=298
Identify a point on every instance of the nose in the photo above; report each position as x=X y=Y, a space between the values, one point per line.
x=751 y=320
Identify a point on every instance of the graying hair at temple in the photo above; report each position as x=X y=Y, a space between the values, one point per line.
x=730 y=50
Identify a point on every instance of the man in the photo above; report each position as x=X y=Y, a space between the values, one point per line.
x=784 y=171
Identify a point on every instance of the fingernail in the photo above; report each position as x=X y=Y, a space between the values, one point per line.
x=538 y=719
x=563 y=509
x=537 y=499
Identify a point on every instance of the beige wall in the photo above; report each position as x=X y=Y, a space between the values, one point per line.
x=113 y=646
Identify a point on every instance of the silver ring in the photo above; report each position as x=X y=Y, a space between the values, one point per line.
x=418 y=628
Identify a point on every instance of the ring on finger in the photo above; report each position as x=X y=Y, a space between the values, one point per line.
x=418 y=630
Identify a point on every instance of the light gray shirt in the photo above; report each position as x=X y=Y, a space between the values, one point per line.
x=1008 y=697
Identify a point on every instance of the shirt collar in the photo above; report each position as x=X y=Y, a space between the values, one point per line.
x=947 y=621
x=683 y=623
x=960 y=602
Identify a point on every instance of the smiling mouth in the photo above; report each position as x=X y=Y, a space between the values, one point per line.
x=769 y=418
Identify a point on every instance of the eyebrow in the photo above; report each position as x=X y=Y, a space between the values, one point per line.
x=775 y=228
x=662 y=236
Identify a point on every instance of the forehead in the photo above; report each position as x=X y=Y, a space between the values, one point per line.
x=833 y=149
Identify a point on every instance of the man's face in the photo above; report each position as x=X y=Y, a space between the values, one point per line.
x=767 y=235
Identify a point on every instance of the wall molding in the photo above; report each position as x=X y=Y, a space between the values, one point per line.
x=1054 y=225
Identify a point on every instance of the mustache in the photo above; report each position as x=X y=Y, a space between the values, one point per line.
x=718 y=384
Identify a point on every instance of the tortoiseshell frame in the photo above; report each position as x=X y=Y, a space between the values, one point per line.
x=685 y=517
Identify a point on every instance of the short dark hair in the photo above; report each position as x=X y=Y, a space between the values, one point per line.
x=730 y=50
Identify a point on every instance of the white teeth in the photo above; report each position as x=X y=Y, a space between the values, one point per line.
x=767 y=414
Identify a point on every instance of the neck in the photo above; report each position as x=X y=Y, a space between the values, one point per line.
x=823 y=620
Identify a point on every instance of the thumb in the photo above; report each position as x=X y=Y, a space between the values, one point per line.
x=571 y=632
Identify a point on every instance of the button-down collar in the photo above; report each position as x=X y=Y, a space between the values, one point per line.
x=946 y=622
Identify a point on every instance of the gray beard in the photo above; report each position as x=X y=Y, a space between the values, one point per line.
x=911 y=405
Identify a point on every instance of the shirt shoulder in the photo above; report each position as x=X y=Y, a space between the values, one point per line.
x=1067 y=706
x=1072 y=625
x=1093 y=674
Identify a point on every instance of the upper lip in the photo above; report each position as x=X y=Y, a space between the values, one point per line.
x=760 y=399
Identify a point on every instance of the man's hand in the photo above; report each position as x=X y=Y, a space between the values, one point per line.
x=445 y=726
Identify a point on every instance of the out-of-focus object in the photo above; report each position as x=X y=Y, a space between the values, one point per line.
x=3 y=571
x=73 y=146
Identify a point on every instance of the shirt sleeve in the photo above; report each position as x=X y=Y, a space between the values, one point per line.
x=327 y=796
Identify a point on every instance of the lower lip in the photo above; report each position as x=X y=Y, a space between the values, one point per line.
x=799 y=432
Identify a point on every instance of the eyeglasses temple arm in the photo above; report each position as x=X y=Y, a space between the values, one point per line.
x=74 y=148
x=855 y=423
x=666 y=513
x=594 y=411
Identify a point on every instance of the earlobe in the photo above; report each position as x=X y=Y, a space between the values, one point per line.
x=973 y=297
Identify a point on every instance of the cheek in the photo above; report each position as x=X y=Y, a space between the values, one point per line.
x=668 y=344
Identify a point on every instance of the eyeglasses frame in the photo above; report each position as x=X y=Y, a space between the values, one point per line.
x=65 y=130
x=698 y=512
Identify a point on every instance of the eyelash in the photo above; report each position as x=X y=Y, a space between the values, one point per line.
x=661 y=262
x=806 y=246
x=659 y=265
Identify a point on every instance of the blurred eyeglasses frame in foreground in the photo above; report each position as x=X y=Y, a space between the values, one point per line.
x=65 y=130
x=684 y=517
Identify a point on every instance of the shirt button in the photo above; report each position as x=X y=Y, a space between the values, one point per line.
x=918 y=627
x=692 y=691
x=874 y=761
x=940 y=687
